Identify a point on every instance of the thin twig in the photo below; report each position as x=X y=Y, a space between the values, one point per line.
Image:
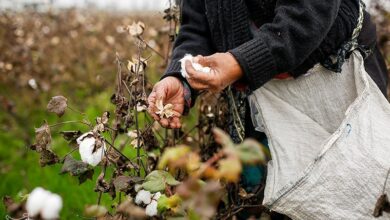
x=120 y=153
x=103 y=172
x=69 y=122
x=187 y=133
x=77 y=111
x=150 y=47
x=136 y=112
x=73 y=150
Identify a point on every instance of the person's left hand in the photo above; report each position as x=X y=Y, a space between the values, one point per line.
x=225 y=70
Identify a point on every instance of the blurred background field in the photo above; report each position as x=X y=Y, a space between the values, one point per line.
x=70 y=51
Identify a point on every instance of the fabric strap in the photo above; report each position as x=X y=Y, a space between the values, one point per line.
x=335 y=62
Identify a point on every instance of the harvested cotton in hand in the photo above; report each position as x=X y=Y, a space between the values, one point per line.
x=197 y=66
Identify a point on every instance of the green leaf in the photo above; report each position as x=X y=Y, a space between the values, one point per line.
x=172 y=154
x=192 y=215
x=250 y=152
x=165 y=203
x=158 y=180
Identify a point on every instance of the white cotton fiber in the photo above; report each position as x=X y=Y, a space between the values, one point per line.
x=197 y=66
x=156 y=196
x=36 y=201
x=144 y=197
x=151 y=209
x=52 y=207
x=86 y=146
x=44 y=203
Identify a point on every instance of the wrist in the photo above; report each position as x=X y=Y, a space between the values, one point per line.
x=187 y=98
x=236 y=70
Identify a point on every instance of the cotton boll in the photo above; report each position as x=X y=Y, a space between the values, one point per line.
x=36 y=201
x=44 y=203
x=96 y=157
x=151 y=209
x=82 y=137
x=187 y=57
x=197 y=66
x=143 y=196
x=52 y=207
x=86 y=147
x=200 y=68
x=156 y=196
x=137 y=187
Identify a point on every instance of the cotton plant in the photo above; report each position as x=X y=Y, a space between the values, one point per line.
x=43 y=203
x=91 y=149
x=149 y=199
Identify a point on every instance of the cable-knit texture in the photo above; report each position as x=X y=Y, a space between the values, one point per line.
x=254 y=56
x=293 y=35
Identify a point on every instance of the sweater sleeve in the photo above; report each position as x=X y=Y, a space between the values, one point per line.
x=194 y=38
x=297 y=30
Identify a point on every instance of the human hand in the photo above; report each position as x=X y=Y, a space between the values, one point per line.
x=171 y=91
x=224 y=71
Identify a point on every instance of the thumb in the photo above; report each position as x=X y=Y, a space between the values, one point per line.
x=205 y=60
x=197 y=59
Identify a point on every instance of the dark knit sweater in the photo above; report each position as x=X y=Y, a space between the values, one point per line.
x=292 y=37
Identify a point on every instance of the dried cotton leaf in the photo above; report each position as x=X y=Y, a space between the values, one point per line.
x=382 y=205
x=48 y=158
x=58 y=105
x=42 y=138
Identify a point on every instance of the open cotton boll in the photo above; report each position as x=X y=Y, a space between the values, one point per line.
x=197 y=66
x=144 y=197
x=52 y=207
x=36 y=201
x=44 y=203
x=137 y=187
x=151 y=209
x=156 y=196
x=87 y=149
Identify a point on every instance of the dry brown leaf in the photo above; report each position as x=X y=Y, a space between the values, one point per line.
x=130 y=210
x=382 y=205
x=42 y=138
x=58 y=105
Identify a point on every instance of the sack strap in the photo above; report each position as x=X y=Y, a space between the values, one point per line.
x=335 y=62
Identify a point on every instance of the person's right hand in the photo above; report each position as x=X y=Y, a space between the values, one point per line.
x=171 y=91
